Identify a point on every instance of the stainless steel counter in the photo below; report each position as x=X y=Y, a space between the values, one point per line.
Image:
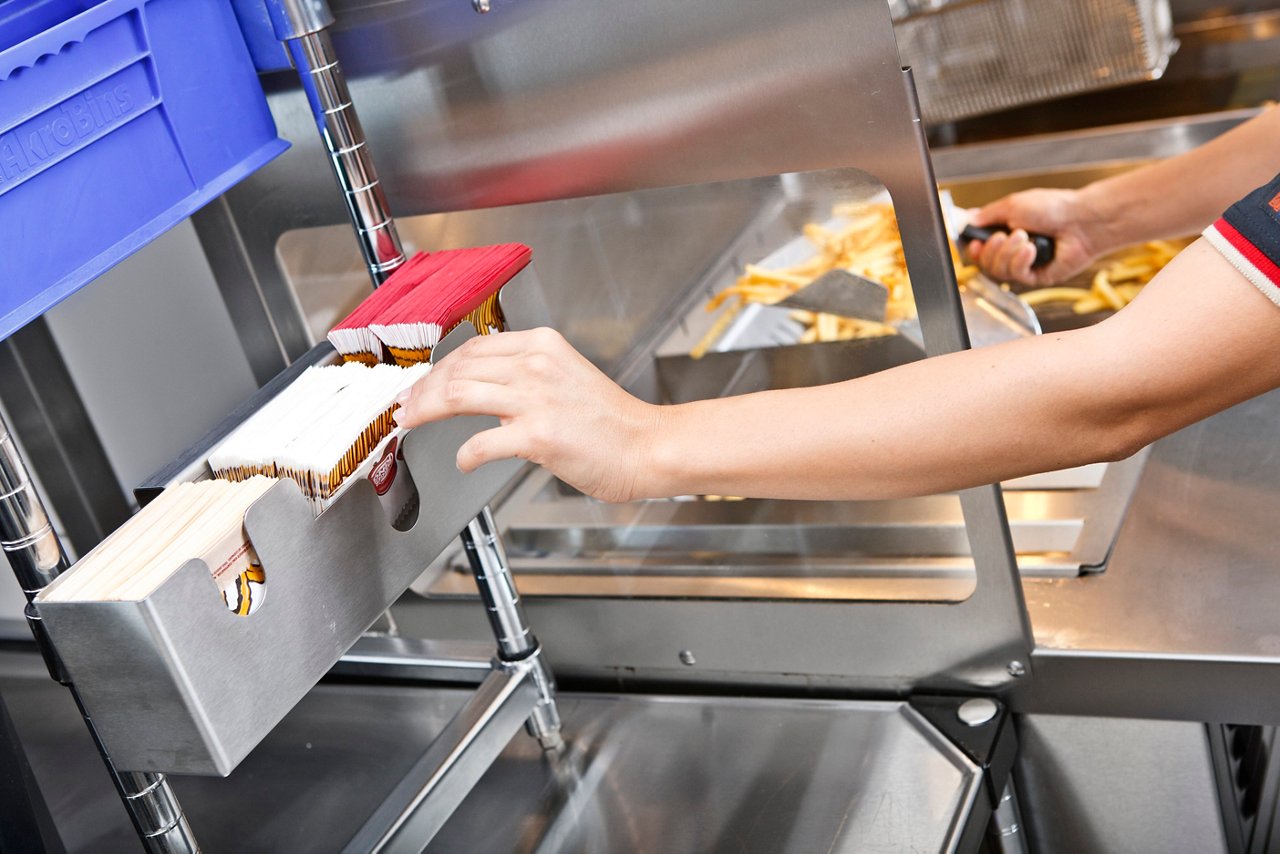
x=1185 y=622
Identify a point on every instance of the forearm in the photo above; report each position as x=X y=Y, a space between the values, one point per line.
x=1183 y=194
x=986 y=415
x=941 y=424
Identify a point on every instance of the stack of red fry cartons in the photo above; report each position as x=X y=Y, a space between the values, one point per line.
x=425 y=299
x=352 y=337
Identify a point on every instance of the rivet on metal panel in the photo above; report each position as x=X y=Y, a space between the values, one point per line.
x=686 y=657
x=481 y=6
x=978 y=711
x=1017 y=669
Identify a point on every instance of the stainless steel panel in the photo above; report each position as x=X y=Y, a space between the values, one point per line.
x=839 y=777
x=905 y=527
x=53 y=429
x=644 y=774
x=153 y=354
x=1120 y=786
x=800 y=546
x=1182 y=624
x=1036 y=158
x=573 y=98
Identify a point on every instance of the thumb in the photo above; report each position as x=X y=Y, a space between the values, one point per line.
x=995 y=213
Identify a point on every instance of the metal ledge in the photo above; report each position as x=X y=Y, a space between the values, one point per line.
x=1129 y=143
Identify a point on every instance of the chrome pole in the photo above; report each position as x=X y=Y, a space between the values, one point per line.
x=516 y=642
x=302 y=25
x=1006 y=823
x=36 y=556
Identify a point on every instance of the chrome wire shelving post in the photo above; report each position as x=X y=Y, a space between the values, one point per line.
x=516 y=642
x=36 y=556
x=302 y=25
x=519 y=685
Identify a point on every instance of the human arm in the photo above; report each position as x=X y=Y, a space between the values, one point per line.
x=1176 y=196
x=1198 y=339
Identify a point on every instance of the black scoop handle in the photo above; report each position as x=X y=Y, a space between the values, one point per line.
x=1042 y=242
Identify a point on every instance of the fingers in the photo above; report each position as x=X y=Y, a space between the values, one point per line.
x=446 y=398
x=484 y=376
x=1015 y=256
x=509 y=344
x=485 y=369
x=488 y=446
x=1006 y=256
x=508 y=375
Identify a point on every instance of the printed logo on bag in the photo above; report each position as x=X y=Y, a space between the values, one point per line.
x=384 y=473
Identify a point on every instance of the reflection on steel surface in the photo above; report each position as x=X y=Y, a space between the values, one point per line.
x=647 y=774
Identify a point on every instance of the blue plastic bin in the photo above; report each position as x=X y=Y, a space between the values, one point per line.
x=117 y=120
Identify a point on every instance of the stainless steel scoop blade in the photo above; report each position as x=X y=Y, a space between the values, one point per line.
x=844 y=293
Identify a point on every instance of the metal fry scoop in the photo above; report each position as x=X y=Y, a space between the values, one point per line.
x=843 y=293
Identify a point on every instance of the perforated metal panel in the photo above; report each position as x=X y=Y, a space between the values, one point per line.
x=981 y=56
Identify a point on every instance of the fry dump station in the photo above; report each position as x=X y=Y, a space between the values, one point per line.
x=735 y=674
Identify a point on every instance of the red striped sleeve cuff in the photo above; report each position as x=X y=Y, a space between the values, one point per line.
x=1245 y=257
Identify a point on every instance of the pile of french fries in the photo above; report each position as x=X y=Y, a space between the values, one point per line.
x=1120 y=278
x=867 y=243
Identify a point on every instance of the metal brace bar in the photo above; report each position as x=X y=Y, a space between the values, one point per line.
x=425 y=798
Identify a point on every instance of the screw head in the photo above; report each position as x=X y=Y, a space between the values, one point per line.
x=1017 y=669
x=686 y=658
x=978 y=711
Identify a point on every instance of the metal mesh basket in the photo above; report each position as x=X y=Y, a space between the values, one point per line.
x=978 y=56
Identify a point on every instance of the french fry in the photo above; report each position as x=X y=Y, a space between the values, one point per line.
x=760 y=274
x=1117 y=282
x=1102 y=286
x=828 y=327
x=1043 y=295
x=1123 y=271
x=717 y=329
x=1089 y=305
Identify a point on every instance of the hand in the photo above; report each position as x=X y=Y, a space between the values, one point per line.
x=1065 y=215
x=556 y=409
